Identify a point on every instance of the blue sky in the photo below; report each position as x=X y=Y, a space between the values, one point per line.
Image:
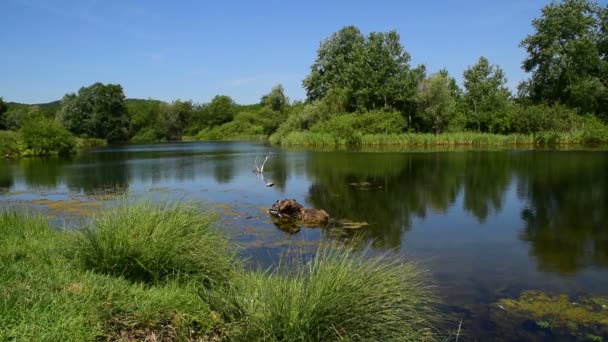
x=197 y=49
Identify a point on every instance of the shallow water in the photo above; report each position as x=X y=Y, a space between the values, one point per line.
x=487 y=224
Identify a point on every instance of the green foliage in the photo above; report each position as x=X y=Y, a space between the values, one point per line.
x=362 y=73
x=276 y=99
x=46 y=137
x=567 y=56
x=17 y=115
x=220 y=110
x=486 y=99
x=3 y=109
x=98 y=111
x=541 y=118
x=154 y=243
x=9 y=144
x=436 y=101
x=340 y=294
x=349 y=128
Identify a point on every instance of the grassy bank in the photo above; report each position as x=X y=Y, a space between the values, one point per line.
x=162 y=272
x=445 y=139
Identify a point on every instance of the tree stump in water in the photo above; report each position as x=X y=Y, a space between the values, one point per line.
x=289 y=215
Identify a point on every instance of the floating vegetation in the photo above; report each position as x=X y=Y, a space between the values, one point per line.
x=70 y=207
x=348 y=224
x=582 y=318
x=365 y=185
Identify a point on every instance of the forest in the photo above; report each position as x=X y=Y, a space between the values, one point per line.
x=362 y=90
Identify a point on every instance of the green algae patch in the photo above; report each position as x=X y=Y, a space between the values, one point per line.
x=559 y=310
x=579 y=317
x=70 y=207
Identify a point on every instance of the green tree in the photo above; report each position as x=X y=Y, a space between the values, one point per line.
x=568 y=56
x=276 y=99
x=382 y=73
x=220 y=110
x=173 y=118
x=3 y=109
x=362 y=73
x=436 y=102
x=486 y=96
x=335 y=62
x=97 y=111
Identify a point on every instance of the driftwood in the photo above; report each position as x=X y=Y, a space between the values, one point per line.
x=260 y=169
x=289 y=215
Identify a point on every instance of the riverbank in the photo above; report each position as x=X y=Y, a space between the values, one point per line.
x=445 y=139
x=17 y=144
x=138 y=271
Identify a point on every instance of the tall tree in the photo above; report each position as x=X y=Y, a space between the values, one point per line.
x=333 y=66
x=436 y=101
x=362 y=73
x=486 y=96
x=3 y=109
x=568 y=56
x=97 y=111
x=276 y=99
x=173 y=118
x=220 y=110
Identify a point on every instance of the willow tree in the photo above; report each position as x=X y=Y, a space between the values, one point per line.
x=436 y=103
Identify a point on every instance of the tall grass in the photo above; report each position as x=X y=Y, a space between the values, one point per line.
x=444 y=139
x=339 y=295
x=148 y=262
x=45 y=296
x=155 y=242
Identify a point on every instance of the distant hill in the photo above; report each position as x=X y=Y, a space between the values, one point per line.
x=41 y=105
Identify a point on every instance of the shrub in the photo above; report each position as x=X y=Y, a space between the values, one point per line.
x=147 y=134
x=9 y=144
x=543 y=118
x=153 y=243
x=46 y=137
x=339 y=295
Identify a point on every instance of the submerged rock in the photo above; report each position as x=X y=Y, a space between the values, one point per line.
x=288 y=214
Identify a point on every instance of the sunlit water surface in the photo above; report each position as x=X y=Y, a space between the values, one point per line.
x=486 y=224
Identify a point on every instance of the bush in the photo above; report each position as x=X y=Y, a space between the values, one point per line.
x=10 y=144
x=543 y=118
x=154 y=243
x=46 y=137
x=85 y=143
x=339 y=295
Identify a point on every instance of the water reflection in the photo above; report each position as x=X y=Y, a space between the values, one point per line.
x=557 y=201
x=564 y=196
x=566 y=214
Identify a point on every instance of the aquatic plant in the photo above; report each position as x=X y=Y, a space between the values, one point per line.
x=557 y=312
x=155 y=242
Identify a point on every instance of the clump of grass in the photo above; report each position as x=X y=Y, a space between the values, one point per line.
x=151 y=243
x=338 y=295
x=46 y=297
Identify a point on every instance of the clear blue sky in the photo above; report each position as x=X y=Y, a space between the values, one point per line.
x=197 y=49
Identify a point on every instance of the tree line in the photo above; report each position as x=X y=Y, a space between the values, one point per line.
x=366 y=84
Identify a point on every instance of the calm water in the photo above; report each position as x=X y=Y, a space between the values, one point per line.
x=487 y=224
